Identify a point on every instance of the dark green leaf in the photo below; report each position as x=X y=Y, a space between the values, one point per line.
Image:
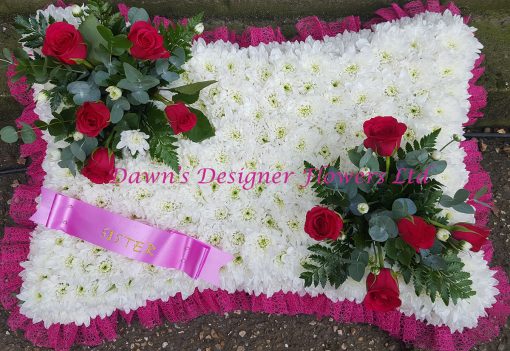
x=194 y=88
x=203 y=129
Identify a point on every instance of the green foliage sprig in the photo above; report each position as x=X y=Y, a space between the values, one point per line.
x=370 y=239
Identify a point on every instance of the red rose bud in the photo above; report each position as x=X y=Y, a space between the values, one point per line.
x=92 y=118
x=382 y=292
x=416 y=232
x=65 y=43
x=384 y=134
x=323 y=223
x=473 y=234
x=181 y=119
x=147 y=42
x=100 y=167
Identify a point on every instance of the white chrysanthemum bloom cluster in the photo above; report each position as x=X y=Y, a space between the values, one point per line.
x=134 y=141
x=273 y=107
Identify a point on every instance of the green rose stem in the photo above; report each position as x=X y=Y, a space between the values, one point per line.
x=437 y=224
x=85 y=63
x=109 y=139
x=451 y=141
x=380 y=256
x=388 y=160
x=163 y=99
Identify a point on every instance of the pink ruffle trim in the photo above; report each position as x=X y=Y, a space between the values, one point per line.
x=15 y=244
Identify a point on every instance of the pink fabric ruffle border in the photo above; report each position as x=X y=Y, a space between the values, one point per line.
x=15 y=244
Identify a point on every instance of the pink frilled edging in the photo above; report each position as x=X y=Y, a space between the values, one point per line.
x=15 y=244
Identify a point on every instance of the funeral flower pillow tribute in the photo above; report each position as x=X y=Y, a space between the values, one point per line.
x=123 y=131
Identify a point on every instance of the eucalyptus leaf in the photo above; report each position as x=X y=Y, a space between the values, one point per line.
x=140 y=96
x=170 y=76
x=162 y=66
x=481 y=192
x=416 y=157
x=461 y=195
x=464 y=208
x=69 y=164
x=435 y=262
x=136 y=14
x=436 y=167
x=132 y=74
x=366 y=157
x=359 y=261
x=101 y=78
x=84 y=92
x=382 y=227
x=76 y=149
x=27 y=133
x=178 y=57
x=9 y=134
x=403 y=208
x=354 y=157
x=116 y=114
x=88 y=145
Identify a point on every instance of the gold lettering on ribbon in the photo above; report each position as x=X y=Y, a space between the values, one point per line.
x=128 y=242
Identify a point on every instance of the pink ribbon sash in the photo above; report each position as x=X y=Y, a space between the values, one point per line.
x=136 y=240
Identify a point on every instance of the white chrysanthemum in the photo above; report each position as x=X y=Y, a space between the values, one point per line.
x=135 y=141
x=274 y=106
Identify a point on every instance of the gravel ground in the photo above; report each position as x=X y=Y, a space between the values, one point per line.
x=245 y=331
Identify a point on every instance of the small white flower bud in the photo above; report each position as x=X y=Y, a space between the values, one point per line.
x=443 y=234
x=364 y=171
x=115 y=93
x=456 y=137
x=199 y=28
x=466 y=246
x=77 y=136
x=436 y=155
x=77 y=10
x=363 y=208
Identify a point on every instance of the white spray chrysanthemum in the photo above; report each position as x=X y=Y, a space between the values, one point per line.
x=115 y=93
x=135 y=141
x=363 y=208
x=443 y=234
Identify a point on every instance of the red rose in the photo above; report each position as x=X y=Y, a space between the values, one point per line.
x=416 y=232
x=323 y=223
x=473 y=234
x=382 y=292
x=92 y=118
x=384 y=134
x=180 y=118
x=100 y=167
x=65 y=43
x=147 y=42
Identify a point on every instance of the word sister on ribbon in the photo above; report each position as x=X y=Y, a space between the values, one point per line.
x=132 y=239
